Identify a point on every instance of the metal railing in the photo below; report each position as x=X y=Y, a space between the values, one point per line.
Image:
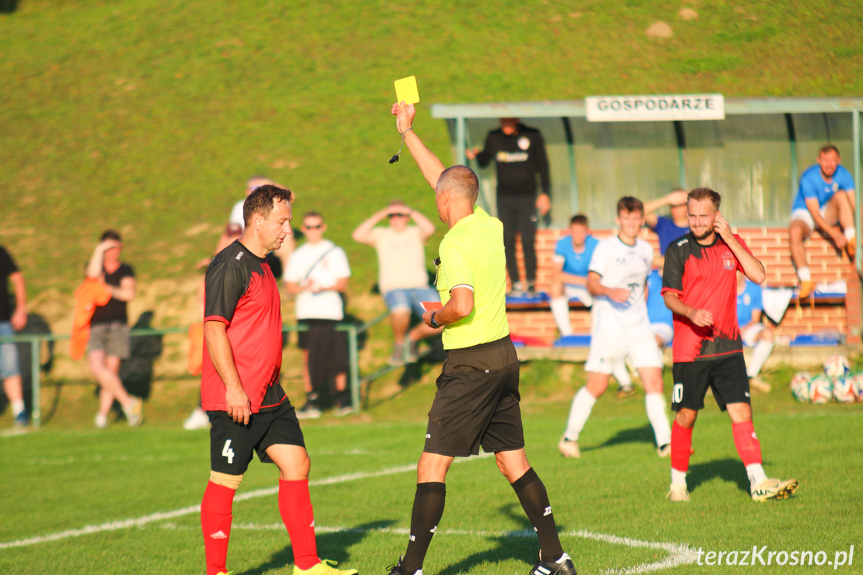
x=36 y=340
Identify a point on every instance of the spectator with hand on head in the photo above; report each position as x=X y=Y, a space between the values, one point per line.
x=402 y=279
x=668 y=229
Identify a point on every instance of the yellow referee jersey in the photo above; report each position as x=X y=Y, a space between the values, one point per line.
x=472 y=255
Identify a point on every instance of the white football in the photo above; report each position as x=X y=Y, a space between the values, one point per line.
x=800 y=386
x=820 y=389
x=843 y=389
x=837 y=365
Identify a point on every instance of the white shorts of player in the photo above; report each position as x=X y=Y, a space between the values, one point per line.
x=804 y=216
x=578 y=292
x=609 y=347
x=750 y=333
x=663 y=331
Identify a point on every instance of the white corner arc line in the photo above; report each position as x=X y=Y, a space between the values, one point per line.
x=678 y=554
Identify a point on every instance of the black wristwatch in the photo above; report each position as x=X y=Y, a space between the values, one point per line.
x=432 y=321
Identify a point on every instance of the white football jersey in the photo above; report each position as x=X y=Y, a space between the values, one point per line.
x=621 y=266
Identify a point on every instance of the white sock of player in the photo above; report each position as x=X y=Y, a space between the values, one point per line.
x=654 y=403
x=760 y=353
x=582 y=405
x=621 y=374
x=17 y=406
x=756 y=473
x=803 y=274
x=560 y=313
x=678 y=477
x=850 y=232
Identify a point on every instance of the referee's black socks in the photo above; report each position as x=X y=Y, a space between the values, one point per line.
x=427 y=511
x=534 y=499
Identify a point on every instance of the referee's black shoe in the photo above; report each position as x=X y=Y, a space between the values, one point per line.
x=562 y=566
x=397 y=569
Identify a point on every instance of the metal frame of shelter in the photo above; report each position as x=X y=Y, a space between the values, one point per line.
x=457 y=116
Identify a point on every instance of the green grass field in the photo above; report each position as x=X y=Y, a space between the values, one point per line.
x=149 y=116
x=125 y=501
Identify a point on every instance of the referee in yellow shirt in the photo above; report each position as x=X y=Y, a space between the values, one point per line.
x=477 y=399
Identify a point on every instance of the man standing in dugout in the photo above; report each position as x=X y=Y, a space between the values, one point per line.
x=240 y=389
x=477 y=399
x=519 y=155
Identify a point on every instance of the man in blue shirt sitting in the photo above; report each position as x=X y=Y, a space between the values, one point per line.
x=569 y=275
x=825 y=198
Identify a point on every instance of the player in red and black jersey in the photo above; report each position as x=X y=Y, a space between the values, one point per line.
x=699 y=286
x=240 y=388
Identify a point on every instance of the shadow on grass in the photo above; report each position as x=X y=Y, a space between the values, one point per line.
x=330 y=546
x=506 y=546
x=642 y=434
x=730 y=470
x=8 y=6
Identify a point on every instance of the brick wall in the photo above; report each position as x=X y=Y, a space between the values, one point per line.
x=770 y=245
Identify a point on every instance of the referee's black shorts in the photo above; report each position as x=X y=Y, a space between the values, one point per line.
x=476 y=402
x=726 y=375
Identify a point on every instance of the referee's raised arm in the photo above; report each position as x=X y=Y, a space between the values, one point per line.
x=429 y=164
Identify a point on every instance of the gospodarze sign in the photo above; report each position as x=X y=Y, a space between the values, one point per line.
x=663 y=107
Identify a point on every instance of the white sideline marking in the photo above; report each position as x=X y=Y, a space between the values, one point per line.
x=677 y=554
x=162 y=515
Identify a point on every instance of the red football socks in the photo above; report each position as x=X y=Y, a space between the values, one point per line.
x=748 y=446
x=295 y=507
x=681 y=447
x=216 y=526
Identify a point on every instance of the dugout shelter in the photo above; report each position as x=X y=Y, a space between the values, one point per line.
x=753 y=157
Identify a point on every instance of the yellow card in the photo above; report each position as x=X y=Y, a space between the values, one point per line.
x=406 y=90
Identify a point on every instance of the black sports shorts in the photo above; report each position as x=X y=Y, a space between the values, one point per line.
x=476 y=402
x=232 y=444
x=725 y=375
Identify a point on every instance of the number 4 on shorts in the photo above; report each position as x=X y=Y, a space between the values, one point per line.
x=228 y=452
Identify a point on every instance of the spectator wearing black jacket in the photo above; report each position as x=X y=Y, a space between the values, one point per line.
x=519 y=155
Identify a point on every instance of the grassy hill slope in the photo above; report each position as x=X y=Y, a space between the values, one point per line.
x=148 y=116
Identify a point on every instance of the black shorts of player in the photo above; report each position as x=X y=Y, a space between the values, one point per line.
x=232 y=444
x=476 y=402
x=725 y=375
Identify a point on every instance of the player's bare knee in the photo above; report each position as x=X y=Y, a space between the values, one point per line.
x=226 y=480
x=295 y=468
x=512 y=464
x=739 y=412
x=596 y=387
x=686 y=418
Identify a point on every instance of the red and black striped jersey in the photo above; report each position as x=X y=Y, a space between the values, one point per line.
x=241 y=292
x=704 y=277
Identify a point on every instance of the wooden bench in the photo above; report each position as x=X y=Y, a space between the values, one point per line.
x=770 y=245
